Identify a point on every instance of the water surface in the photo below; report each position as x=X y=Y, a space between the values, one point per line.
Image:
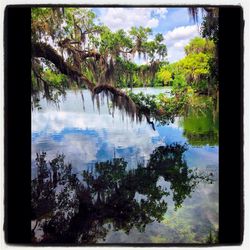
x=88 y=136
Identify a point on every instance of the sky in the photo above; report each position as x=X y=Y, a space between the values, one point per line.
x=174 y=23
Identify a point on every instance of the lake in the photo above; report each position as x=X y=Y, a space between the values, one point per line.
x=145 y=185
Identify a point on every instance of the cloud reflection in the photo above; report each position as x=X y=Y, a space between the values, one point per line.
x=83 y=136
x=89 y=136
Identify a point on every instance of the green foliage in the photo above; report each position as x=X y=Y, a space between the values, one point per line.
x=140 y=35
x=156 y=47
x=104 y=57
x=144 y=101
x=200 y=120
x=161 y=108
x=114 y=42
x=96 y=52
x=164 y=75
x=38 y=13
x=54 y=78
x=210 y=26
x=179 y=84
x=198 y=44
x=193 y=73
x=195 y=66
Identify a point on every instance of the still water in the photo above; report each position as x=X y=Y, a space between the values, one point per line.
x=131 y=158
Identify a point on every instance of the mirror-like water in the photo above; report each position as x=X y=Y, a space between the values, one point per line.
x=142 y=171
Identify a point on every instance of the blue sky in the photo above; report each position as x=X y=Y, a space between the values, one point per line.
x=174 y=23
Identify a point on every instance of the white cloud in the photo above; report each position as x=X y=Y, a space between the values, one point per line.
x=177 y=39
x=181 y=43
x=79 y=149
x=161 y=12
x=125 y=18
x=175 y=54
x=154 y=22
x=181 y=33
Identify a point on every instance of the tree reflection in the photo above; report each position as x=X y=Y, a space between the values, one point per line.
x=201 y=127
x=68 y=209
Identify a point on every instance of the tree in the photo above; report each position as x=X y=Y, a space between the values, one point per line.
x=67 y=41
x=200 y=45
x=195 y=67
x=164 y=75
x=210 y=30
x=210 y=24
x=198 y=65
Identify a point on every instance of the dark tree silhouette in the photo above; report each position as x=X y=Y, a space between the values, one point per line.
x=111 y=197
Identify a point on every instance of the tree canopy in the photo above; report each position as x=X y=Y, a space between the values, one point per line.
x=85 y=52
x=195 y=69
x=71 y=49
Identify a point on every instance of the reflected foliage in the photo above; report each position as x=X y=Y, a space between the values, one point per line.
x=68 y=208
x=201 y=127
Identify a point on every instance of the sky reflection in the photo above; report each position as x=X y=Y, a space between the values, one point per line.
x=86 y=136
x=89 y=136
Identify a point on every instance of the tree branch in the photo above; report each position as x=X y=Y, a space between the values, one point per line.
x=129 y=104
x=46 y=51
